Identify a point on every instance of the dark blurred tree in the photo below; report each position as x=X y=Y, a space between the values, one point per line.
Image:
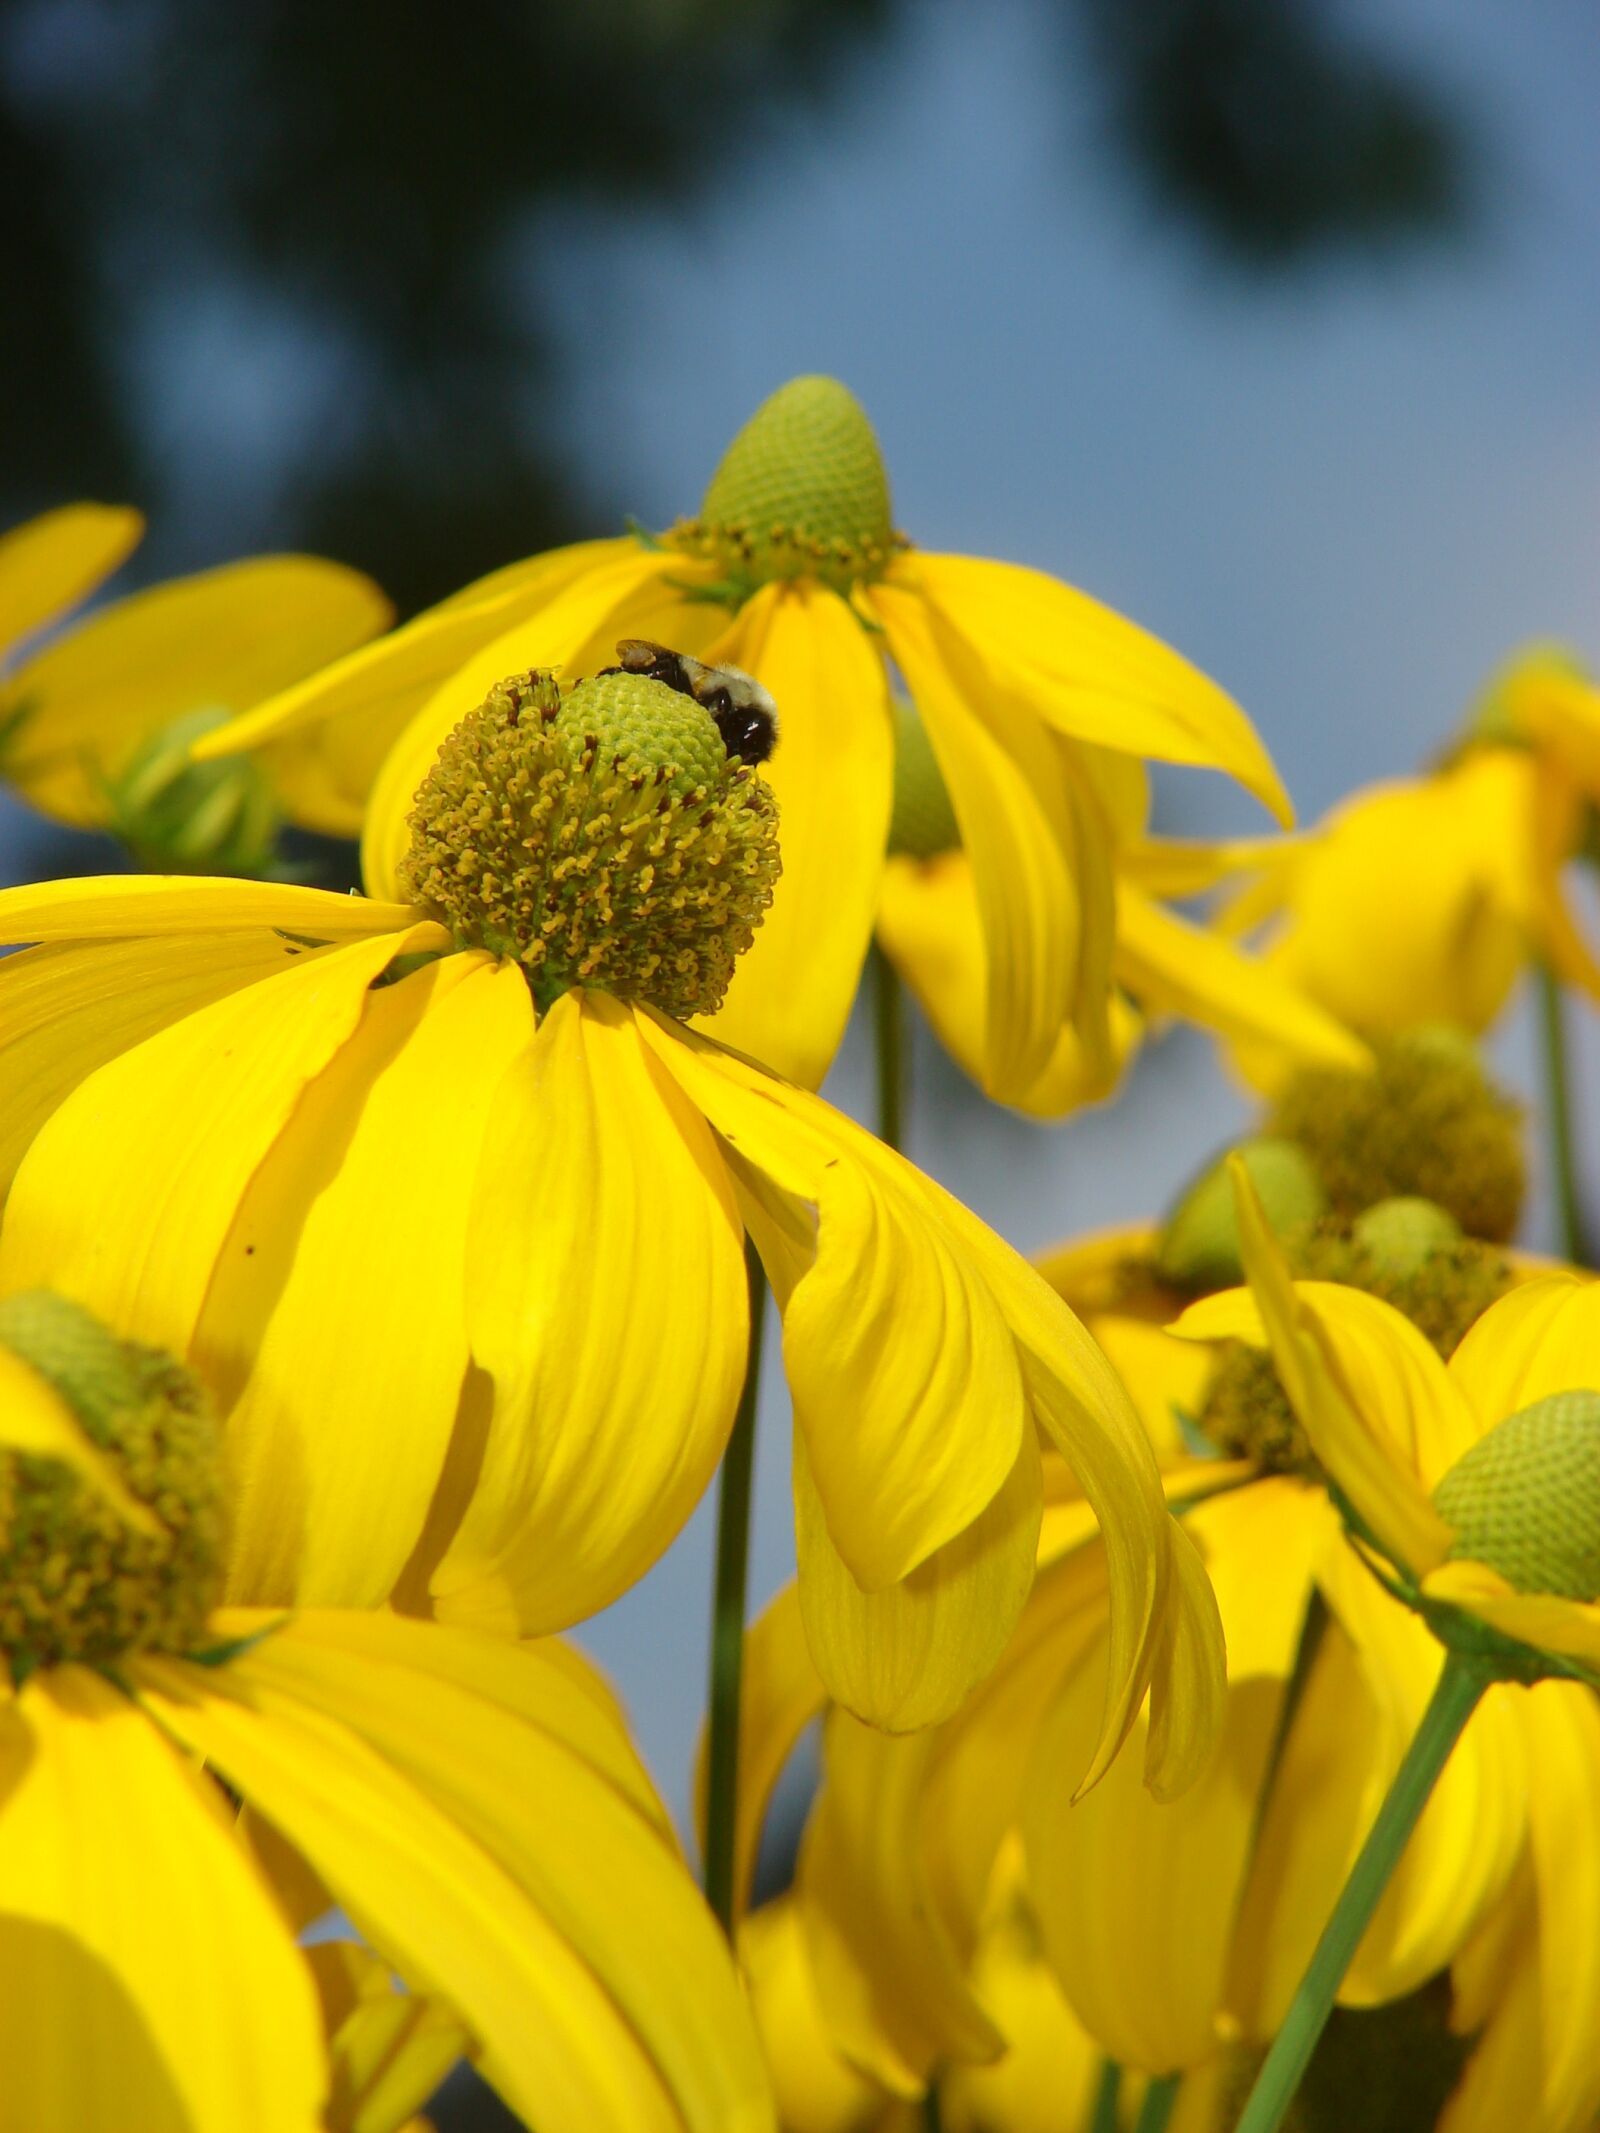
x=344 y=199
x=1264 y=121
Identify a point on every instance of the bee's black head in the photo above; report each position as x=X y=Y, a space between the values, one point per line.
x=749 y=731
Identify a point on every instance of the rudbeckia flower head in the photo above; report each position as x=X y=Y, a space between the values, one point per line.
x=792 y=572
x=97 y=723
x=181 y=1787
x=604 y=838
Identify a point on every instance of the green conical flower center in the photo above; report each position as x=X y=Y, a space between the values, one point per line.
x=604 y=838
x=1411 y=1255
x=177 y=816
x=922 y=823
x=1424 y=1122
x=1526 y=1498
x=801 y=493
x=76 y=1581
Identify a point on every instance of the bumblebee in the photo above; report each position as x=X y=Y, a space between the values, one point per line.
x=741 y=710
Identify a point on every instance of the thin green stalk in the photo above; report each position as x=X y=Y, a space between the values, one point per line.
x=932 y=2116
x=727 y=1616
x=889 y=1035
x=1454 y=1700
x=1106 y=2097
x=1558 y=1105
x=1159 y=2098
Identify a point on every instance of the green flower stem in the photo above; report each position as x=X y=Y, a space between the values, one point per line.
x=1159 y=2098
x=889 y=1033
x=1454 y=1700
x=1558 y=1103
x=727 y=1615
x=1106 y=2097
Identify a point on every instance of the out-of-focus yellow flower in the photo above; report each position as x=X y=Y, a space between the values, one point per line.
x=930 y=925
x=181 y=1786
x=96 y=726
x=354 y=1161
x=793 y=572
x=1550 y=701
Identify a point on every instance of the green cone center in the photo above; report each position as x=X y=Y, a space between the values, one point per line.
x=922 y=822
x=1526 y=1498
x=801 y=492
x=602 y=838
x=178 y=816
x=77 y=1582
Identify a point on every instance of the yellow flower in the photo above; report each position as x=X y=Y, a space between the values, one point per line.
x=182 y=1786
x=1551 y=704
x=930 y=925
x=491 y=1216
x=794 y=573
x=96 y=726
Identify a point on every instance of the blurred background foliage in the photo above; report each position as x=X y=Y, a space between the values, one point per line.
x=344 y=205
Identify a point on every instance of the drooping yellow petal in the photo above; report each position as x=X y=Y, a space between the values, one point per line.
x=606 y=1298
x=222 y=639
x=550 y=1913
x=1371 y=1405
x=1137 y=1900
x=1534 y=2065
x=50 y=563
x=35 y=1420
x=913 y=1419
x=781 y=1693
x=128 y=1191
x=890 y=1979
x=338 y=1291
x=930 y=928
x=388 y=2049
x=1188 y=1682
x=149 y=1980
x=1357 y=1716
x=1185 y=866
x=1175 y=968
x=1093 y=674
x=1041 y=872
x=816 y=2088
x=626 y=591
x=833 y=775
x=67 y=1008
x=1543 y=1337
x=907 y=1656
x=115 y=906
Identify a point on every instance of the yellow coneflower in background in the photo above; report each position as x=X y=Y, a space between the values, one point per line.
x=96 y=724
x=452 y=1172
x=793 y=571
x=182 y=1786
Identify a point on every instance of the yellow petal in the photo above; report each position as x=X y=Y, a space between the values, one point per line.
x=606 y=1297
x=127 y=1193
x=1050 y=2072
x=817 y=2090
x=107 y=907
x=1137 y=1900
x=907 y=1656
x=1174 y=968
x=1534 y=2066
x=1094 y=675
x=224 y=638
x=625 y=591
x=340 y=1290
x=50 y=563
x=389 y=2050
x=780 y=1694
x=69 y=1007
x=1541 y=1338
x=370 y=693
x=1185 y=866
x=1570 y=1629
x=930 y=928
x=1371 y=1394
x=149 y=1981
x=833 y=775
x=890 y=1979
x=1187 y=1686
x=1040 y=866
x=546 y=1909
x=913 y=1419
